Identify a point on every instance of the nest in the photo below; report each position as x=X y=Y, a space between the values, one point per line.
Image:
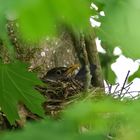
x=60 y=93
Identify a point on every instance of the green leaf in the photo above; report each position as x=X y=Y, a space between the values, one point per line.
x=41 y=19
x=36 y=21
x=106 y=60
x=86 y=120
x=17 y=85
x=74 y=119
x=109 y=75
x=51 y=129
x=135 y=75
x=120 y=26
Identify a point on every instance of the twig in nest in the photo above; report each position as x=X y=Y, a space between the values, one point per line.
x=117 y=85
x=126 y=88
x=123 y=87
x=125 y=93
x=109 y=87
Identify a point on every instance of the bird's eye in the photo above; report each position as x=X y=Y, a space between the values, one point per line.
x=58 y=72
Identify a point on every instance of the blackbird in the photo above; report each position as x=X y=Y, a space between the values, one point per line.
x=62 y=85
x=64 y=79
x=64 y=73
x=60 y=82
x=60 y=73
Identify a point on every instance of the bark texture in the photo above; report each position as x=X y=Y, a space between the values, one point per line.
x=92 y=54
x=94 y=59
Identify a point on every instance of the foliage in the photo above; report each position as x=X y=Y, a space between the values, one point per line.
x=17 y=85
x=87 y=120
x=120 y=27
x=135 y=75
x=42 y=17
x=106 y=60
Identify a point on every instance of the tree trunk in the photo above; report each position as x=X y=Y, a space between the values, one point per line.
x=94 y=59
x=92 y=53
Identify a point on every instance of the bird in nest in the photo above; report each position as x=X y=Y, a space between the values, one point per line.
x=62 y=82
x=61 y=86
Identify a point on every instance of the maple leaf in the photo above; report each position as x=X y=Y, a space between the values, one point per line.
x=17 y=85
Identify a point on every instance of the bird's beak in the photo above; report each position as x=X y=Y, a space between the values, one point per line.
x=71 y=69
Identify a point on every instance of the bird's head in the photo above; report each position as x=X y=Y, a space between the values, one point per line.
x=60 y=73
